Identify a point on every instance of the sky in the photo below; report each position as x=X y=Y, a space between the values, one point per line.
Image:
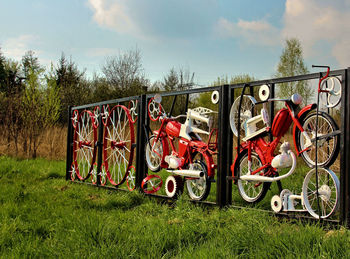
x=211 y=38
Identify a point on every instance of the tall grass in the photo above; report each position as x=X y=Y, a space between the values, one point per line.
x=53 y=144
x=42 y=215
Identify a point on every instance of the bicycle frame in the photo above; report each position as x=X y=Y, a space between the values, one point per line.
x=265 y=150
x=186 y=150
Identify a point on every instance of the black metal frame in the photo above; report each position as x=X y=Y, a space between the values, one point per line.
x=225 y=136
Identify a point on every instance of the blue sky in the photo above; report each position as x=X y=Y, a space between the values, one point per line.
x=209 y=37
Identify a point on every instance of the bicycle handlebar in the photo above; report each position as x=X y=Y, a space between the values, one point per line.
x=179 y=116
x=278 y=100
x=327 y=73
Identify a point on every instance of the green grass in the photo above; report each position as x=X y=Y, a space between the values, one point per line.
x=42 y=215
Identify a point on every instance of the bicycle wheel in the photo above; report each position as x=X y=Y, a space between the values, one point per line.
x=118 y=145
x=94 y=174
x=130 y=179
x=198 y=189
x=328 y=147
x=327 y=201
x=174 y=186
x=72 y=172
x=247 y=112
x=151 y=184
x=154 y=153
x=84 y=145
x=333 y=86
x=104 y=114
x=74 y=118
x=250 y=191
x=154 y=110
x=132 y=106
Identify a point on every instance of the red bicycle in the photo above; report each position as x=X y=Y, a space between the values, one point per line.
x=256 y=165
x=192 y=162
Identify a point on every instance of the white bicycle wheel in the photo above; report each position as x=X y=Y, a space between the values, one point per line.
x=333 y=85
x=322 y=199
x=247 y=112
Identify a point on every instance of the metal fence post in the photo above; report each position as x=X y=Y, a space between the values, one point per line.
x=272 y=107
x=223 y=158
x=345 y=151
x=99 y=147
x=229 y=148
x=69 y=144
x=141 y=142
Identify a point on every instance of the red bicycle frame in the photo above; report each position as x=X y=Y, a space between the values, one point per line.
x=265 y=150
x=186 y=148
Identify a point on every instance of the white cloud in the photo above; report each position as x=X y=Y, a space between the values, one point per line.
x=17 y=47
x=320 y=22
x=258 y=32
x=114 y=15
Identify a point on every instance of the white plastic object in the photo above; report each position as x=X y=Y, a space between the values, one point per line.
x=197 y=116
x=215 y=96
x=248 y=102
x=286 y=203
x=264 y=92
x=296 y=99
x=157 y=98
x=187 y=173
x=265 y=116
x=333 y=85
x=173 y=161
x=172 y=186
x=276 y=203
x=260 y=178
x=283 y=160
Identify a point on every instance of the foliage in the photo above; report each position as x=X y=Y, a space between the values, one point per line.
x=291 y=64
x=204 y=99
x=73 y=89
x=40 y=108
x=42 y=215
x=124 y=74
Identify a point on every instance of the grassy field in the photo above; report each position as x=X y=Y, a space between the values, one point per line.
x=42 y=215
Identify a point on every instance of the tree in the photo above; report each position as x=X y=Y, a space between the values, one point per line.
x=30 y=63
x=204 y=99
x=10 y=108
x=125 y=74
x=2 y=71
x=100 y=89
x=291 y=64
x=177 y=81
x=73 y=88
x=40 y=107
x=171 y=81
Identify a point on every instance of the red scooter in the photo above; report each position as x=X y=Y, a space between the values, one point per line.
x=256 y=165
x=192 y=162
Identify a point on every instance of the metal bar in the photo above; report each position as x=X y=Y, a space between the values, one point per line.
x=120 y=100
x=99 y=147
x=288 y=79
x=239 y=125
x=69 y=144
x=187 y=100
x=223 y=166
x=172 y=106
x=345 y=151
x=188 y=91
x=229 y=148
x=141 y=142
x=271 y=108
